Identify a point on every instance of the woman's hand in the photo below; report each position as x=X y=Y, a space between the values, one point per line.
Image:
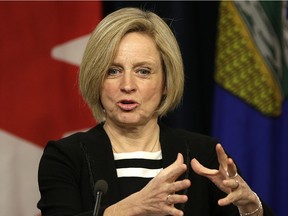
x=158 y=196
x=228 y=180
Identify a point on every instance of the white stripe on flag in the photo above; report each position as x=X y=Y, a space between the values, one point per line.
x=19 y=161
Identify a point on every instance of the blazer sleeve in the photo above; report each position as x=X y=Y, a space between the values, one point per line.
x=63 y=182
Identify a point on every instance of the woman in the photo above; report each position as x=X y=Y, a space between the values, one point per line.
x=131 y=75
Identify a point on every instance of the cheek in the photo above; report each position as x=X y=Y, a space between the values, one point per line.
x=107 y=94
x=155 y=92
x=107 y=90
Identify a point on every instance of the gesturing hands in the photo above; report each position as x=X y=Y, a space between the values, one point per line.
x=228 y=180
x=158 y=196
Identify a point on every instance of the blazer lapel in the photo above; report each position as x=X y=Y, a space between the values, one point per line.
x=102 y=162
x=171 y=145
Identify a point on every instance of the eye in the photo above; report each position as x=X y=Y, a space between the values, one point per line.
x=144 y=72
x=113 y=72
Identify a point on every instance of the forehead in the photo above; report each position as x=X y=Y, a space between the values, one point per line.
x=137 y=45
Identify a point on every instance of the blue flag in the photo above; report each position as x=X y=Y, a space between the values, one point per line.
x=251 y=107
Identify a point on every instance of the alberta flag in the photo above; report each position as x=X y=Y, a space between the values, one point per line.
x=251 y=106
x=41 y=48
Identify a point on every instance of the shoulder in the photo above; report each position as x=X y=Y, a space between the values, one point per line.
x=70 y=147
x=66 y=154
x=74 y=140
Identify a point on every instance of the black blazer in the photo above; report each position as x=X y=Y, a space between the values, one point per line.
x=70 y=167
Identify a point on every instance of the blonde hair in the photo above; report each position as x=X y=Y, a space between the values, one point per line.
x=103 y=44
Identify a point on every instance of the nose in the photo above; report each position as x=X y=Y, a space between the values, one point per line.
x=128 y=84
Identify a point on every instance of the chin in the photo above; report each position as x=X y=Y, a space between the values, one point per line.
x=131 y=120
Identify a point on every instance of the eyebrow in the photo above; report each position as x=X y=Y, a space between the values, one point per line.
x=135 y=65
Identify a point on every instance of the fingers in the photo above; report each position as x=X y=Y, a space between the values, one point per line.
x=232 y=180
x=178 y=186
x=231 y=168
x=233 y=184
x=168 y=176
x=226 y=179
x=172 y=199
x=201 y=170
x=226 y=163
x=173 y=211
x=172 y=172
x=165 y=182
x=180 y=159
x=222 y=157
x=230 y=198
x=235 y=191
x=159 y=195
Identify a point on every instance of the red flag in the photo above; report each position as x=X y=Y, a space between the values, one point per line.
x=41 y=47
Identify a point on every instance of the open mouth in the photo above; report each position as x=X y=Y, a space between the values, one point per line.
x=127 y=102
x=127 y=105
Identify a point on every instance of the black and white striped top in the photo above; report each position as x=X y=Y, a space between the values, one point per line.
x=136 y=169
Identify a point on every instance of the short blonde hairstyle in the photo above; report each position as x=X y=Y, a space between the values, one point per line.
x=102 y=46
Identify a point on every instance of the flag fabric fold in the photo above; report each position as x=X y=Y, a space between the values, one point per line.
x=250 y=105
x=41 y=47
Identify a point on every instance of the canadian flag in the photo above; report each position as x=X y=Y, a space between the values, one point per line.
x=41 y=45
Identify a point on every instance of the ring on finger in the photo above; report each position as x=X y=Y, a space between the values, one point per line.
x=236 y=174
x=167 y=199
x=236 y=185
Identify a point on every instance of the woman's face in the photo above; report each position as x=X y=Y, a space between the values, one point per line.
x=133 y=88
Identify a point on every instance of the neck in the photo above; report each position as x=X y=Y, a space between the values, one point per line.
x=123 y=139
